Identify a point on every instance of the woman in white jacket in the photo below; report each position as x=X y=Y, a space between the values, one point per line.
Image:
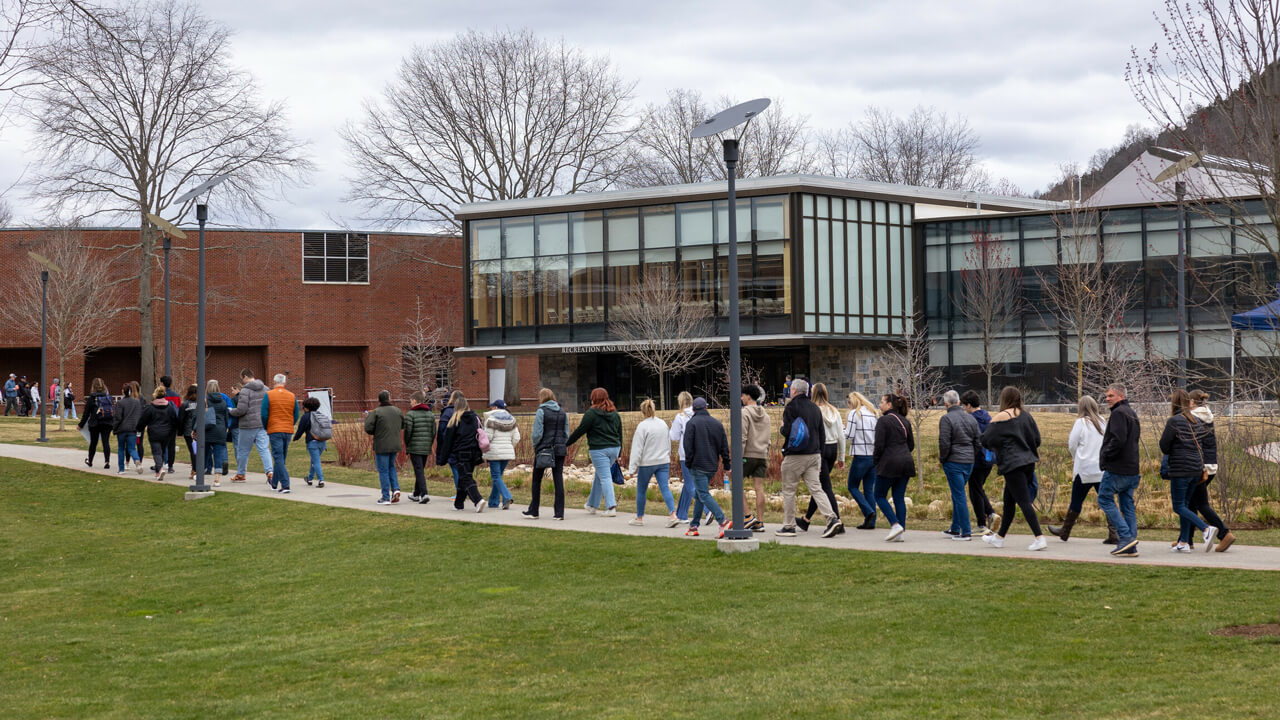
x=504 y=436
x=651 y=458
x=832 y=452
x=1085 y=444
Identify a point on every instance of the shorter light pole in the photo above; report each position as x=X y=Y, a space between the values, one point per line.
x=168 y=245
x=44 y=336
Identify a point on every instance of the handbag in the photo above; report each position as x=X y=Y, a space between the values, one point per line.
x=482 y=439
x=544 y=460
x=616 y=472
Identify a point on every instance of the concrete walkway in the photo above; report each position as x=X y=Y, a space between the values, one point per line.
x=355 y=497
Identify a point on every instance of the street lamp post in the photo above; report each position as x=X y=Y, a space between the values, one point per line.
x=1180 y=189
x=44 y=337
x=723 y=121
x=168 y=245
x=200 y=488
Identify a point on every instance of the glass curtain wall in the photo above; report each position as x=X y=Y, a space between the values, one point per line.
x=555 y=277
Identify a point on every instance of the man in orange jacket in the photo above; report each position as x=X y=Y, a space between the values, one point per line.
x=279 y=415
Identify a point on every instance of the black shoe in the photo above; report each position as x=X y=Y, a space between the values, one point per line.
x=320 y=484
x=950 y=533
x=802 y=523
x=88 y=462
x=308 y=480
x=1129 y=551
x=835 y=527
x=868 y=523
x=788 y=531
x=756 y=526
x=528 y=514
x=424 y=500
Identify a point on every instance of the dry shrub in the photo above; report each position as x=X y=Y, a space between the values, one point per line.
x=351 y=443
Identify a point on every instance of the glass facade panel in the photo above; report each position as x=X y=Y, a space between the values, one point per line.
x=553 y=290
x=587 y=231
x=553 y=234
x=624 y=272
x=771 y=218
x=839 y=269
x=518 y=234
x=695 y=223
x=624 y=229
x=518 y=296
x=660 y=262
x=822 y=262
x=587 y=276
x=773 y=278
x=486 y=239
x=697 y=276
x=744 y=222
x=486 y=284
x=660 y=226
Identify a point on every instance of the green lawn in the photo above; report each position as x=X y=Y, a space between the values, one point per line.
x=119 y=599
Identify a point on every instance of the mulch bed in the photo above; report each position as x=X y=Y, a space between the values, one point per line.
x=1249 y=631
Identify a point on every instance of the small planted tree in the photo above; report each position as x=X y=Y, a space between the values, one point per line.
x=424 y=357
x=662 y=328
x=990 y=297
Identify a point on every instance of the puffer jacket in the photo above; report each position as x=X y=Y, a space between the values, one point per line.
x=442 y=457
x=504 y=435
x=217 y=433
x=958 y=435
x=384 y=423
x=1186 y=442
x=551 y=429
x=419 y=429
x=248 y=407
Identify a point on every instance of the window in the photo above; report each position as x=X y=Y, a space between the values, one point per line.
x=335 y=258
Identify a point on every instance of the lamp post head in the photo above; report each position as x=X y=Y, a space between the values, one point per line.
x=168 y=243
x=202 y=212
x=730 y=118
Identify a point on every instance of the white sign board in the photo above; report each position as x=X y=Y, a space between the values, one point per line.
x=325 y=396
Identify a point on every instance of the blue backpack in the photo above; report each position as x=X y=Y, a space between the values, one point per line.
x=799 y=434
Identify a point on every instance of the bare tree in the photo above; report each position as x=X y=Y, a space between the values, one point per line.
x=26 y=26
x=926 y=148
x=82 y=300
x=906 y=362
x=836 y=152
x=487 y=117
x=424 y=356
x=1213 y=85
x=717 y=394
x=990 y=297
x=662 y=153
x=128 y=119
x=6 y=213
x=662 y=327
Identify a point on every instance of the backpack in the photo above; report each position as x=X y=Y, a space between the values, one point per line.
x=106 y=408
x=321 y=426
x=799 y=434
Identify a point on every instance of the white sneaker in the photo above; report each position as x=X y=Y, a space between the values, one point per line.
x=216 y=483
x=993 y=540
x=1038 y=544
x=480 y=506
x=1210 y=537
x=902 y=537
x=589 y=509
x=635 y=521
x=1180 y=548
x=672 y=522
x=611 y=512
x=894 y=533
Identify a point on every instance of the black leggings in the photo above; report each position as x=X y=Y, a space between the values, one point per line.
x=1016 y=490
x=978 y=494
x=557 y=475
x=824 y=477
x=104 y=433
x=419 y=474
x=1080 y=491
x=466 y=485
x=1199 y=503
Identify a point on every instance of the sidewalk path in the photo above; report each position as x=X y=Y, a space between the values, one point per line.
x=355 y=497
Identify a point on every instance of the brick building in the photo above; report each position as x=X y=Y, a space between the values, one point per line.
x=328 y=308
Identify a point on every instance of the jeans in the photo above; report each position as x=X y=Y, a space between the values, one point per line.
x=643 y=475
x=498 y=492
x=1115 y=497
x=315 y=448
x=215 y=458
x=69 y=412
x=702 y=486
x=686 y=493
x=233 y=435
x=1017 y=491
x=1180 y=493
x=862 y=472
x=127 y=449
x=387 y=477
x=957 y=475
x=453 y=468
x=602 y=485
x=247 y=440
x=897 y=513
x=557 y=475
x=280 y=453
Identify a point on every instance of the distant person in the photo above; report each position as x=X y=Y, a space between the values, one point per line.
x=442 y=457
x=504 y=435
x=803 y=435
x=233 y=423
x=1084 y=444
x=602 y=427
x=1118 y=460
x=215 y=435
x=188 y=421
x=24 y=397
x=55 y=398
x=11 y=395
x=684 y=401
x=419 y=435
x=125 y=426
x=756 y=432
x=982 y=465
x=160 y=420
x=176 y=401
x=68 y=403
x=958 y=447
x=786 y=389
x=895 y=465
x=1015 y=438
x=550 y=435
x=651 y=460
x=461 y=448
x=386 y=424
x=251 y=430
x=860 y=431
x=99 y=416
x=706 y=450
x=832 y=453
x=316 y=428
x=35 y=399
x=280 y=415
x=1199 y=500
x=1185 y=441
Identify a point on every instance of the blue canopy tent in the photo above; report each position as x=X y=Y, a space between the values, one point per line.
x=1266 y=317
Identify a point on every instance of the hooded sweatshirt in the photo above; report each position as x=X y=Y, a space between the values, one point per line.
x=504 y=435
x=160 y=420
x=755 y=432
x=1205 y=415
x=650 y=445
x=249 y=405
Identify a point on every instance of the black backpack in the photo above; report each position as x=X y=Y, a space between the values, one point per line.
x=106 y=408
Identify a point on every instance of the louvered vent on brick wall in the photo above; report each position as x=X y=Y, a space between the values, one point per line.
x=335 y=257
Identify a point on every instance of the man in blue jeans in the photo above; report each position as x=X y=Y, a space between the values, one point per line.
x=1118 y=461
x=957 y=448
x=706 y=449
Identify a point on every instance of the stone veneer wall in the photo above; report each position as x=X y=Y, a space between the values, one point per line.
x=844 y=368
x=559 y=373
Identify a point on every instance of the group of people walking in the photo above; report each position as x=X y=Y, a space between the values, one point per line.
x=22 y=398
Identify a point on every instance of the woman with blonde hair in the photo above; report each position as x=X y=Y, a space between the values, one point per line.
x=461 y=449
x=602 y=427
x=860 y=432
x=550 y=431
x=99 y=414
x=651 y=459
x=442 y=457
x=685 y=401
x=832 y=452
x=1085 y=444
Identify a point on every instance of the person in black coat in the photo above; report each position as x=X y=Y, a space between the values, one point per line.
x=215 y=435
x=1015 y=438
x=706 y=447
x=461 y=449
x=1118 y=460
x=1185 y=440
x=442 y=457
x=160 y=420
x=128 y=413
x=99 y=421
x=894 y=463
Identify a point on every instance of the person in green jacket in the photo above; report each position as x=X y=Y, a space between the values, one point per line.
x=419 y=432
x=603 y=427
x=385 y=424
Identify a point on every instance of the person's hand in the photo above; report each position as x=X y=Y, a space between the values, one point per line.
x=839 y=464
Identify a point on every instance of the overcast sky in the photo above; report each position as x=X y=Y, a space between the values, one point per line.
x=1041 y=83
